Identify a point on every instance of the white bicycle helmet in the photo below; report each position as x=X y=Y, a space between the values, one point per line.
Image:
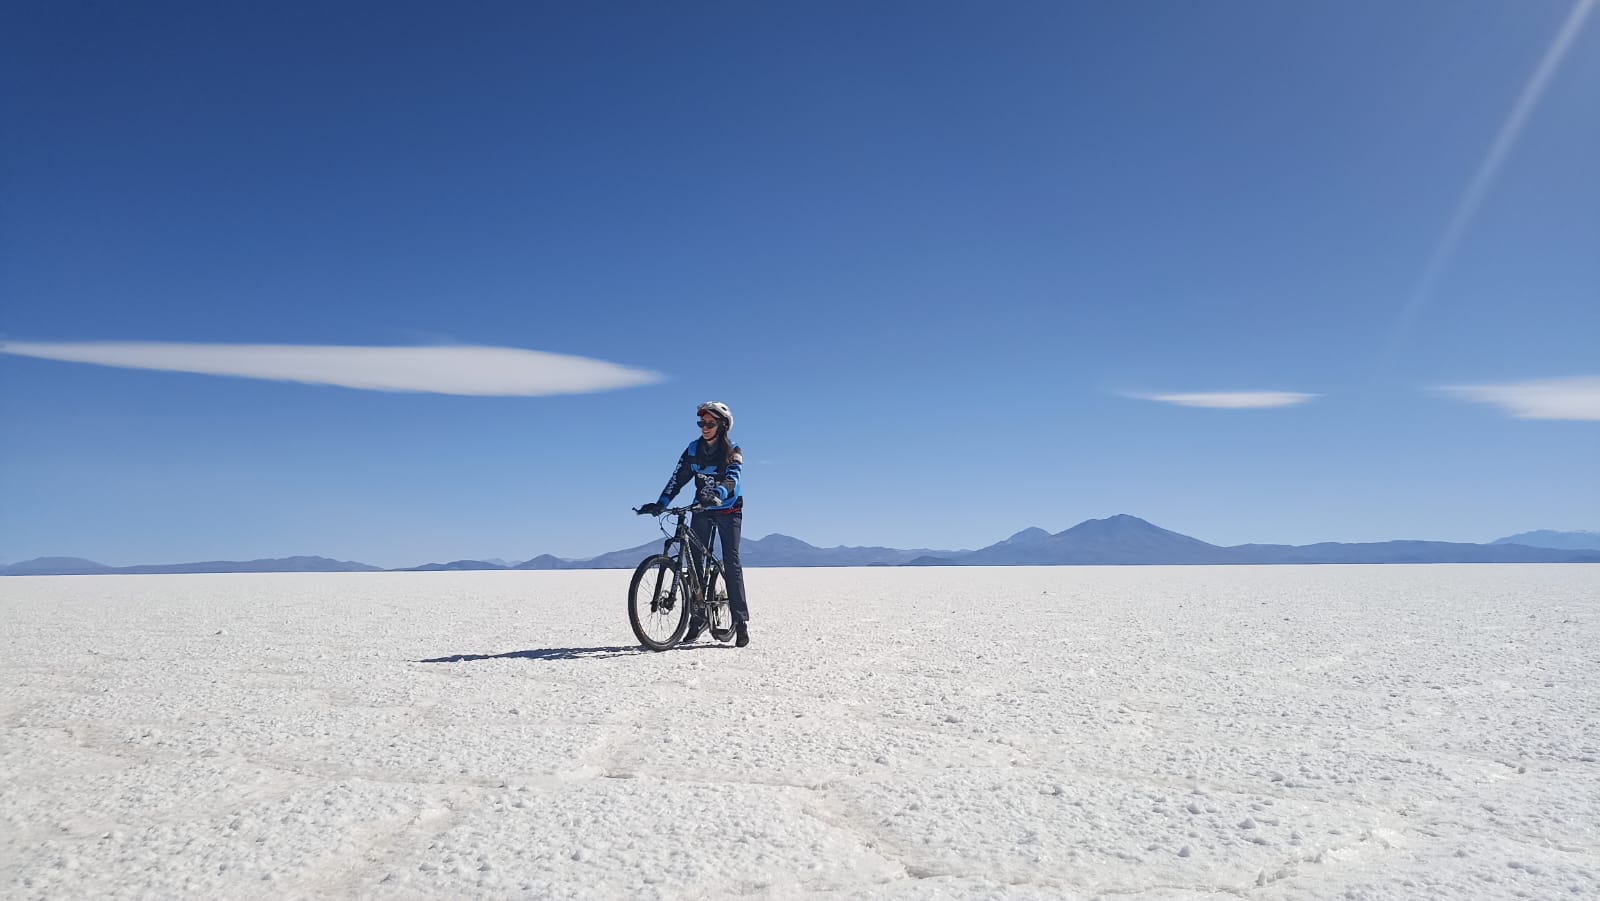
x=718 y=409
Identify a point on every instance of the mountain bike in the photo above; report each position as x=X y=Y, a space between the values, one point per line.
x=668 y=589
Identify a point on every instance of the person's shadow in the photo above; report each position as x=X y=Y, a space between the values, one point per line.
x=546 y=654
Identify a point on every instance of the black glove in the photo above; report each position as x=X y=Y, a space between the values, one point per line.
x=707 y=493
x=651 y=509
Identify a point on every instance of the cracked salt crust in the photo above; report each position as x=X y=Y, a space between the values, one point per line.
x=1065 y=732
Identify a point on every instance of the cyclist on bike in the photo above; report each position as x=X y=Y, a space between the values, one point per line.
x=713 y=462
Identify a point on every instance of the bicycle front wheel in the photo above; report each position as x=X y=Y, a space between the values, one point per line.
x=658 y=603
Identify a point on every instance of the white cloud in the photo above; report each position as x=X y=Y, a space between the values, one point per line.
x=1576 y=397
x=484 y=371
x=1232 y=400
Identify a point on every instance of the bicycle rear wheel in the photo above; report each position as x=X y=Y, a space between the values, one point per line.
x=718 y=615
x=658 y=603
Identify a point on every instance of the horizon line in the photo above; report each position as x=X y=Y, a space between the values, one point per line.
x=514 y=564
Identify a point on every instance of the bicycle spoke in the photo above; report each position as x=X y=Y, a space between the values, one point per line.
x=656 y=603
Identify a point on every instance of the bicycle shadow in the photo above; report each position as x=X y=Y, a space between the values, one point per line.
x=547 y=654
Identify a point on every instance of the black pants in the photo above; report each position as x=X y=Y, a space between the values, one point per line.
x=727 y=525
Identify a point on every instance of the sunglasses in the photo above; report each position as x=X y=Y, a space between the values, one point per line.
x=706 y=423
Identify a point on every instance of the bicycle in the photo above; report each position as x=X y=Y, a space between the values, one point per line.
x=668 y=589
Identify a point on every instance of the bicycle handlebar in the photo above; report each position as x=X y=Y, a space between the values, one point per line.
x=675 y=511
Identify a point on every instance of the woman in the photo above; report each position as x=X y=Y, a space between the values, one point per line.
x=713 y=462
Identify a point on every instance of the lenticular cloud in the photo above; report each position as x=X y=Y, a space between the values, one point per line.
x=1576 y=397
x=1232 y=400
x=470 y=370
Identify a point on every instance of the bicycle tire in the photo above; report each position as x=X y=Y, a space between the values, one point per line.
x=715 y=583
x=663 y=586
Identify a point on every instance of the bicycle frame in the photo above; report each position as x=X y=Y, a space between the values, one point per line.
x=686 y=540
x=694 y=585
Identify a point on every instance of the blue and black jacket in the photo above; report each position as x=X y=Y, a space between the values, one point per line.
x=720 y=461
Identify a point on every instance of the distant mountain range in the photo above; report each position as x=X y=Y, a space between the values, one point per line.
x=1129 y=540
x=77 y=566
x=1570 y=541
x=1120 y=540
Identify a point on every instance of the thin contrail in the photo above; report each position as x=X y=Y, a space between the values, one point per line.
x=1467 y=207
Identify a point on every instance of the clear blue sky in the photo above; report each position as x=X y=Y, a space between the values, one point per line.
x=955 y=267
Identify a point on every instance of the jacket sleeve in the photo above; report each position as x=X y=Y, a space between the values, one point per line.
x=729 y=486
x=680 y=477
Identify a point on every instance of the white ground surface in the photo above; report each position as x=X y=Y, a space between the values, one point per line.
x=1153 y=732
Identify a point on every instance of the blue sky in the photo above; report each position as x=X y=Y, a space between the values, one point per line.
x=958 y=269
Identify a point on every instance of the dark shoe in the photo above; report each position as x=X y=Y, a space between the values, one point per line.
x=696 y=626
x=743 y=631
